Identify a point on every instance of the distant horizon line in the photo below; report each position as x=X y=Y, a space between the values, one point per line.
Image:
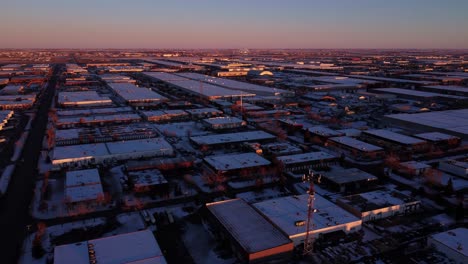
x=181 y=49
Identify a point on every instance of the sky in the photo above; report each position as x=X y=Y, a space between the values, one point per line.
x=178 y=24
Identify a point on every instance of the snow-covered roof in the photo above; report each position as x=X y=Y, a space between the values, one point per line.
x=305 y=157
x=86 y=151
x=422 y=94
x=356 y=144
x=222 y=120
x=378 y=199
x=137 y=247
x=250 y=229
x=84 y=193
x=435 y=136
x=343 y=176
x=132 y=93
x=450 y=120
x=414 y=165
x=236 y=161
x=454 y=239
x=97 y=118
x=82 y=177
x=82 y=98
x=323 y=131
x=450 y=88
x=206 y=110
x=234 y=85
x=284 y=212
x=147 y=178
x=232 y=138
x=393 y=136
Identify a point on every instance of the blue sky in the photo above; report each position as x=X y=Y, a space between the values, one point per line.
x=234 y=24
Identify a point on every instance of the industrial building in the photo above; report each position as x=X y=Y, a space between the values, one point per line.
x=395 y=141
x=346 y=179
x=5 y=115
x=232 y=138
x=160 y=116
x=97 y=120
x=453 y=122
x=244 y=164
x=82 y=99
x=253 y=238
x=87 y=154
x=137 y=96
x=150 y=180
x=440 y=140
x=223 y=122
x=206 y=112
x=379 y=204
x=289 y=214
x=305 y=161
x=83 y=186
x=452 y=243
x=356 y=149
x=129 y=248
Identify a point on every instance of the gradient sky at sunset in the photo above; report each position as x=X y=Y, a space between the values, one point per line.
x=234 y=24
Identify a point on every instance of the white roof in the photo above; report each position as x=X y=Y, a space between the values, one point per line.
x=414 y=165
x=450 y=120
x=305 y=157
x=98 y=118
x=82 y=98
x=76 y=253
x=323 y=131
x=378 y=199
x=203 y=111
x=452 y=88
x=343 y=176
x=285 y=211
x=126 y=248
x=236 y=161
x=222 y=120
x=131 y=248
x=195 y=86
x=232 y=137
x=234 y=85
x=251 y=230
x=131 y=92
x=390 y=135
x=435 y=136
x=357 y=144
x=140 y=145
x=84 y=193
x=416 y=93
x=82 y=177
x=85 y=151
x=456 y=239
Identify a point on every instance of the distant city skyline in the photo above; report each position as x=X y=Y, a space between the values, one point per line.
x=177 y=24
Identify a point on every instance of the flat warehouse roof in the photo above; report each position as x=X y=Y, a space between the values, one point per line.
x=354 y=143
x=131 y=92
x=82 y=177
x=252 y=231
x=435 y=136
x=98 y=118
x=236 y=161
x=454 y=239
x=390 y=135
x=232 y=138
x=110 y=148
x=305 y=157
x=94 y=111
x=453 y=88
x=416 y=93
x=378 y=199
x=222 y=120
x=343 y=176
x=84 y=193
x=284 y=212
x=232 y=84
x=450 y=120
x=85 y=97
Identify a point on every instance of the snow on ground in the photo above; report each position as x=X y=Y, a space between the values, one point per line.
x=42 y=165
x=50 y=232
x=369 y=235
x=19 y=144
x=200 y=245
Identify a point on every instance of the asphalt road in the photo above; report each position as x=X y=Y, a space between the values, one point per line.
x=14 y=206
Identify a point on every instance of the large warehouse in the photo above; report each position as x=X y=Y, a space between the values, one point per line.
x=289 y=214
x=254 y=239
x=453 y=122
x=137 y=96
x=76 y=155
